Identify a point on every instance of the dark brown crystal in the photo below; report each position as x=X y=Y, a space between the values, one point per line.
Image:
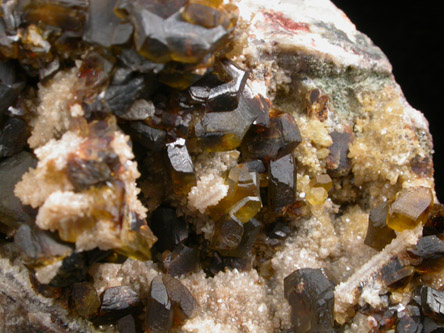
x=429 y=247
x=127 y=324
x=85 y=298
x=280 y=138
x=310 y=294
x=169 y=229
x=12 y=211
x=151 y=138
x=182 y=260
x=86 y=173
x=394 y=271
x=251 y=230
x=10 y=84
x=182 y=169
x=159 y=316
x=410 y=322
x=378 y=233
x=228 y=234
x=121 y=94
x=118 y=302
x=13 y=135
x=39 y=246
x=184 y=303
x=432 y=302
x=282 y=183
x=338 y=163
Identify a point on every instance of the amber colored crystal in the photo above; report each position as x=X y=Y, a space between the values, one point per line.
x=63 y=14
x=323 y=181
x=243 y=200
x=206 y=16
x=409 y=208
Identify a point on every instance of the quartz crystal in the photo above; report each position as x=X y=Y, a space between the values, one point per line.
x=210 y=166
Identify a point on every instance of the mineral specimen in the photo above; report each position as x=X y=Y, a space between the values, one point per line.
x=311 y=297
x=198 y=166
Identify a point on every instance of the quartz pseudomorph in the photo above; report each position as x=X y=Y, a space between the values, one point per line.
x=209 y=165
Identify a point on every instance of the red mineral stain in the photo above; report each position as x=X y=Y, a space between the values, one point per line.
x=285 y=22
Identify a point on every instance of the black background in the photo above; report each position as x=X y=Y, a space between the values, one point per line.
x=410 y=33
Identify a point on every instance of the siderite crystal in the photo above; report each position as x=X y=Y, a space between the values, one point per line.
x=228 y=234
x=103 y=27
x=184 y=304
x=310 y=294
x=282 y=183
x=432 y=302
x=160 y=311
x=410 y=322
x=243 y=200
x=169 y=229
x=182 y=260
x=165 y=165
x=409 y=208
x=118 y=302
x=378 y=233
x=429 y=247
x=10 y=86
x=182 y=169
x=13 y=135
x=85 y=298
x=280 y=138
x=12 y=211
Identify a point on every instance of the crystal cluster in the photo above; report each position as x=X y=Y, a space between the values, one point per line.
x=208 y=165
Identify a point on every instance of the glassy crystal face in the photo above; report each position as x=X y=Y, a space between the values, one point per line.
x=147 y=154
x=409 y=208
x=311 y=297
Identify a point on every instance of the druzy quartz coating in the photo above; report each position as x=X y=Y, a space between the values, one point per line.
x=164 y=167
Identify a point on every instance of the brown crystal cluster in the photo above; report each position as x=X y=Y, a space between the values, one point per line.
x=127 y=133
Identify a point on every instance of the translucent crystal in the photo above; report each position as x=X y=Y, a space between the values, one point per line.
x=243 y=200
x=409 y=208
